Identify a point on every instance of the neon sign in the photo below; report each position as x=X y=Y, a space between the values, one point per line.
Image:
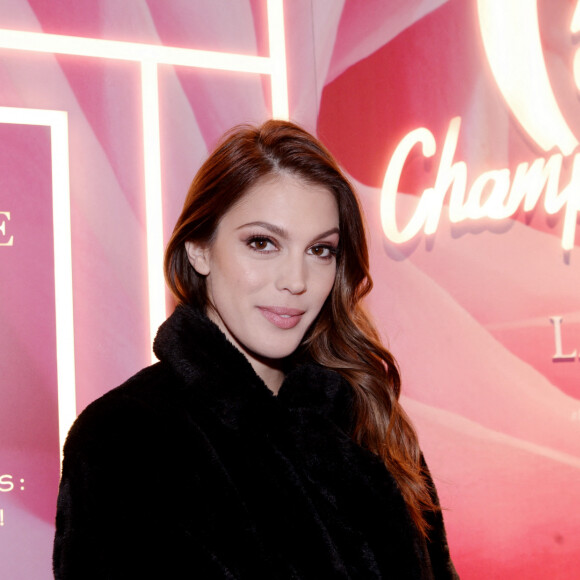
x=507 y=193
x=518 y=67
x=148 y=57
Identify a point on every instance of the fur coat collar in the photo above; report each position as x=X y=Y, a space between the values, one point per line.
x=205 y=361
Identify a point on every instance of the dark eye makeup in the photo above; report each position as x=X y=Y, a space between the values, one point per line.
x=323 y=251
x=261 y=243
x=266 y=244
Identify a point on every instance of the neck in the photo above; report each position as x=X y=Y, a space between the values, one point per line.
x=271 y=371
x=272 y=377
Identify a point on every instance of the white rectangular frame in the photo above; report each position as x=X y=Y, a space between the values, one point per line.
x=61 y=232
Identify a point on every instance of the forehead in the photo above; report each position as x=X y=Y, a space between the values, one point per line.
x=289 y=199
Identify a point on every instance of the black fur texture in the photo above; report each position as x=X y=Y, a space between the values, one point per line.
x=194 y=469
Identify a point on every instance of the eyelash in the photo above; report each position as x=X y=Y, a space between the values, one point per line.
x=255 y=239
x=331 y=251
x=252 y=240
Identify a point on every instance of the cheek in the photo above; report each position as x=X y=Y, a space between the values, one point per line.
x=325 y=283
x=248 y=275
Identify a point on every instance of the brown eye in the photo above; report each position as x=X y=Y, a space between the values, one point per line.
x=322 y=251
x=260 y=244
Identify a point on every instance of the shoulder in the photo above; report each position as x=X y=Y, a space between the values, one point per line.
x=136 y=412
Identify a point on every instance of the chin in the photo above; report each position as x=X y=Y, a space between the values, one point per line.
x=278 y=352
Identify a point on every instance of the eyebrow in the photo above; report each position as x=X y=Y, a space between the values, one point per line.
x=281 y=232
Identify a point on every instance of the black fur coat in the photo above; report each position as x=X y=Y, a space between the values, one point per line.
x=194 y=469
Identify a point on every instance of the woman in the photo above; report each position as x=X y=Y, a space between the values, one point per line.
x=268 y=442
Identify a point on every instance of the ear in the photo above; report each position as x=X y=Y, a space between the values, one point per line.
x=198 y=256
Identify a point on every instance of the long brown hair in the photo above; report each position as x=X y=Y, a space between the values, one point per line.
x=343 y=337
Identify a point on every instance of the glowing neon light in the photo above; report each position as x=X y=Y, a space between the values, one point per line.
x=511 y=38
x=65 y=360
x=575 y=23
x=153 y=195
x=505 y=197
x=575 y=28
x=150 y=56
x=275 y=65
x=279 y=81
x=132 y=51
x=390 y=189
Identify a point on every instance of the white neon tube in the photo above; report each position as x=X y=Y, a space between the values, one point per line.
x=279 y=77
x=133 y=51
x=153 y=196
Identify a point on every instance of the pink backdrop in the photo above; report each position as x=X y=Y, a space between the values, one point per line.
x=466 y=310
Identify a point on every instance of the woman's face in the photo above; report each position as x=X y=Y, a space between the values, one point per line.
x=271 y=265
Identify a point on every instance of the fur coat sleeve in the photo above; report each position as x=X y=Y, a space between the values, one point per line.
x=194 y=469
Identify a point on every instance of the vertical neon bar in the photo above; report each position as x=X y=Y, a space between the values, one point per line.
x=63 y=274
x=153 y=196
x=278 y=74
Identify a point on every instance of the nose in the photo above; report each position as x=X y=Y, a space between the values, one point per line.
x=292 y=275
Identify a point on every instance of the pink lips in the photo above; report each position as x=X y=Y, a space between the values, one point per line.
x=284 y=318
